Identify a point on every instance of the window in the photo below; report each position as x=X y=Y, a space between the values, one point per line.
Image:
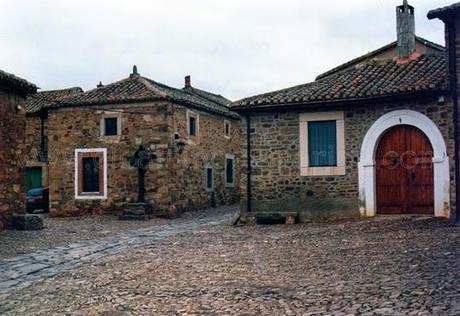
x=111 y=124
x=209 y=178
x=322 y=143
x=192 y=124
x=227 y=129
x=91 y=173
x=229 y=170
x=111 y=128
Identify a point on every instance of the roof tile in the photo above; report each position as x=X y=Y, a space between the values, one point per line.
x=372 y=78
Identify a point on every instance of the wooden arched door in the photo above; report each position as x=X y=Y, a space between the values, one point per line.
x=404 y=175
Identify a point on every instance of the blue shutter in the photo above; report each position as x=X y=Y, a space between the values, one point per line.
x=322 y=144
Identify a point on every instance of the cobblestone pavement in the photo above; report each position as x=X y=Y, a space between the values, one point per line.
x=370 y=267
x=63 y=231
x=21 y=271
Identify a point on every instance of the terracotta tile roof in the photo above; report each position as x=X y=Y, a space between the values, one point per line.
x=373 y=78
x=44 y=99
x=437 y=13
x=136 y=88
x=217 y=98
x=19 y=84
x=378 y=51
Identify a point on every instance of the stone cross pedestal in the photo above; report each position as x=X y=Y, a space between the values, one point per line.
x=139 y=210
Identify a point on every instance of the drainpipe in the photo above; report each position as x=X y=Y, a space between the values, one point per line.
x=248 y=166
x=453 y=84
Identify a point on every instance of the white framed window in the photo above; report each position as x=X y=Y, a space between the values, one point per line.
x=209 y=177
x=227 y=128
x=110 y=125
x=322 y=143
x=193 y=124
x=229 y=170
x=91 y=174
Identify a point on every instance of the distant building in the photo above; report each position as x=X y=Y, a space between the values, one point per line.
x=89 y=137
x=13 y=91
x=372 y=136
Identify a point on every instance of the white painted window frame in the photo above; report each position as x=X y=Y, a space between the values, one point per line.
x=106 y=115
x=197 y=123
x=206 y=167
x=229 y=184
x=79 y=196
x=305 y=168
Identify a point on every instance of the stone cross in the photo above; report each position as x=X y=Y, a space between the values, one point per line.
x=140 y=160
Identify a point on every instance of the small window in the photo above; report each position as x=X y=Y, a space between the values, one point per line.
x=229 y=170
x=91 y=175
x=192 y=126
x=111 y=126
x=227 y=128
x=322 y=143
x=209 y=178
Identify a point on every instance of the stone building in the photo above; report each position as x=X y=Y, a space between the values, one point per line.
x=37 y=134
x=372 y=136
x=13 y=91
x=192 y=135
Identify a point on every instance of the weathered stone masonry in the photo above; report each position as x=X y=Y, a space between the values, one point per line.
x=12 y=128
x=174 y=179
x=275 y=150
x=13 y=91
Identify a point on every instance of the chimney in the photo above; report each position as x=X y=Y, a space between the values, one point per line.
x=100 y=85
x=405 y=17
x=188 y=82
x=134 y=73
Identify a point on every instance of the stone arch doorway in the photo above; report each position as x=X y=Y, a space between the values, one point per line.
x=404 y=172
x=367 y=165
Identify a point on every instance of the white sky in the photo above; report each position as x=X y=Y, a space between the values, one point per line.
x=236 y=48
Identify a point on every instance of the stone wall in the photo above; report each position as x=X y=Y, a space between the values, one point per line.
x=72 y=128
x=174 y=180
x=276 y=180
x=211 y=147
x=12 y=148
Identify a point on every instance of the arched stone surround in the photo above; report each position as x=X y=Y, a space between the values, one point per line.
x=366 y=165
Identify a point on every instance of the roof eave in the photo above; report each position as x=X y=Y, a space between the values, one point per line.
x=120 y=102
x=338 y=102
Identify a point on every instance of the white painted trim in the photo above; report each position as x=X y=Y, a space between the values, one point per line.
x=305 y=169
x=228 y=184
x=76 y=170
x=366 y=166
